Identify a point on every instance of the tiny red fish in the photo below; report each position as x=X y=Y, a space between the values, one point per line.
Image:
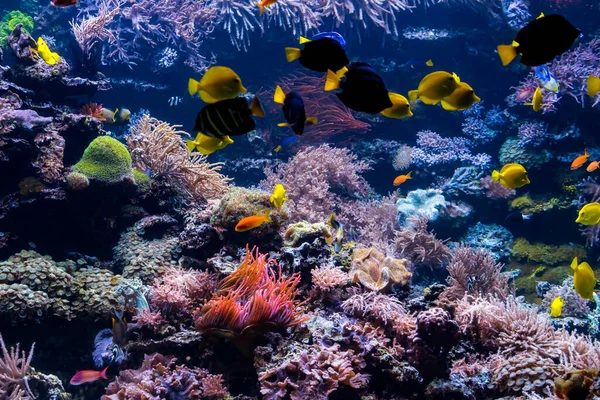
x=524 y=95
x=64 y=3
x=87 y=376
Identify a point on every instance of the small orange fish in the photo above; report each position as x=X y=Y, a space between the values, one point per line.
x=400 y=179
x=593 y=166
x=265 y=3
x=252 y=222
x=579 y=161
x=87 y=376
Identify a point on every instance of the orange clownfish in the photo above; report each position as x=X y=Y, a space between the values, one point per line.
x=400 y=179
x=252 y=222
x=579 y=161
x=593 y=166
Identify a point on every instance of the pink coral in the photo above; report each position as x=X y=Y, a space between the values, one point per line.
x=421 y=246
x=494 y=190
x=14 y=366
x=327 y=278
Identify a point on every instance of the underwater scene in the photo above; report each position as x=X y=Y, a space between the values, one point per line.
x=299 y=199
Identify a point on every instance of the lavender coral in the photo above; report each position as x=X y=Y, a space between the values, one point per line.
x=433 y=149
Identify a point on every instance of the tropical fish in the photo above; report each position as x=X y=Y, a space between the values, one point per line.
x=217 y=83
x=462 y=98
x=123 y=116
x=119 y=329
x=361 y=88
x=208 y=145
x=592 y=166
x=589 y=214
x=231 y=117
x=277 y=149
x=45 y=53
x=338 y=233
x=471 y=281
x=400 y=179
x=538 y=271
x=556 y=307
x=293 y=110
x=263 y=4
x=109 y=116
x=87 y=376
x=286 y=141
x=400 y=108
x=64 y=3
x=319 y=55
x=593 y=85
x=584 y=279
x=175 y=101
x=434 y=87
x=278 y=196
x=512 y=176
x=417 y=64
x=331 y=35
x=517 y=217
x=580 y=160
x=546 y=78
x=523 y=95
x=537 y=101
x=252 y=222
x=540 y=41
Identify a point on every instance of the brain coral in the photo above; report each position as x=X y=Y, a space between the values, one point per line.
x=106 y=160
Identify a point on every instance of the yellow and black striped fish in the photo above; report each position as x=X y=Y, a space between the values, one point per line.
x=232 y=117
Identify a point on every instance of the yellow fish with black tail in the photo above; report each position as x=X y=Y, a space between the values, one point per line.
x=400 y=108
x=462 y=98
x=511 y=176
x=584 y=279
x=278 y=196
x=556 y=307
x=434 y=87
x=208 y=145
x=589 y=214
x=338 y=233
x=45 y=53
x=218 y=83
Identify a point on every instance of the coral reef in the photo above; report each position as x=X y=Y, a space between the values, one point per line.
x=421 y=203
x=496 y=239
x=420 y=246
x=522 y=250
x=512 y=152
x=377 y=272
x=105 y=160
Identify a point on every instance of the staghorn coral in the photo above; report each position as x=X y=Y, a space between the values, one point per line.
x=377 y=272
x=468 y=263
x=420 y=246
x=157 y=148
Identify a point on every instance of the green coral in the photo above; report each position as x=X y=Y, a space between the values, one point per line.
x=521 y=202
x=106 y=160
x=10 y=21
x=512 y=152
x=538 y=204
x=141 y=180
x=546 y=254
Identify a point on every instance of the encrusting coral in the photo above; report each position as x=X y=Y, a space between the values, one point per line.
x=522 y=250
x=376 y=271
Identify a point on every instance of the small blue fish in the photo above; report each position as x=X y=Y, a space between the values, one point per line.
x=289 y=140
x=546 y=78
x=175 y=101
x=331 y=35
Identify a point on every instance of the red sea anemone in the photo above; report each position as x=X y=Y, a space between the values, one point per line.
x=93 y=110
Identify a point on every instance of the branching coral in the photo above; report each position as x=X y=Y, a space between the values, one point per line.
x=14 y=366
x=158 y=148
x=421 y=246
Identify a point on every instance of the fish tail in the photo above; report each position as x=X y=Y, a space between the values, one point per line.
x=119 y=315
x=507 y=53
x=408 y=175
x=114 y=117
x=191 y=145
x=193 y=86
x=429 y=63
x=304 y=40
x=495 y=176
x=332 y=82
x=279 y=96
x=574 y=264
x=256 y=108
x=292 y=53
x=103 y=373
x=413 y=95
x=268 y=216
x=261 y=7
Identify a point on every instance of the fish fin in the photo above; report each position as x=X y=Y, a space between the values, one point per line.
x=227 y=140
x=526 y=217
x=311 y=120
x=207 y=98
x=114 y=117
x=279 y=96
x=268 y=216
x=103 y=373
x=332 y=82
x=282 y=124
x=413 y=95
x=292 y=53
x=429 y=63
x=427 y=100
x=541 y=16
x=593 y=85
x=341 y=72
x=119 y=314
x=205 y=151
x=193 y=86
x=507 y=53
x=304 y=40
x=574 y=264
x=191 y=145
x=256 y=108
x=277 y=149
x=408 y=175
x=456 y=77
x=447 y=106
x=495 y=176
x=261 y=8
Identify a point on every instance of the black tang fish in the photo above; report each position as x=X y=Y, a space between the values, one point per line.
x=540 y=41
x=319 y=55
x=362 y=89
x=293 y=111
x=231 y=117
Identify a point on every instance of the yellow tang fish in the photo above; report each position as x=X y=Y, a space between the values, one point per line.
x=434 y=87
x=556 y=307
x=512 y=176
x=538 y=100
x=589 y=214
x=278 y=196
x=462 y=98
x=584 y=279
x=206 y=144
x=252 y=222
x=45 y=53
x=400 y=108
x=593 y=85
x=217 y=83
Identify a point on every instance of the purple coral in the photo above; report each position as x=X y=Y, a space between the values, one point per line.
x=533 y=133
x=433 y=149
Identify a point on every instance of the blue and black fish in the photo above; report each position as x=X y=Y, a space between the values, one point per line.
x=231 y=117
x=319 y=55
x=293 y=110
